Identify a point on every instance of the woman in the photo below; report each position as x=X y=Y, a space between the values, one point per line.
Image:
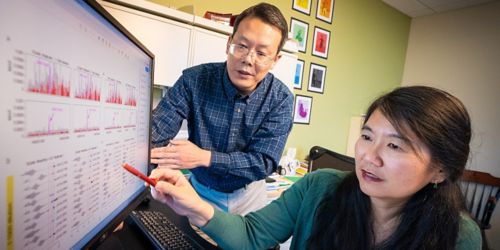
x=413 y=147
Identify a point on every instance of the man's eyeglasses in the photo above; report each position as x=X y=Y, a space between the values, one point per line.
x=241 y=51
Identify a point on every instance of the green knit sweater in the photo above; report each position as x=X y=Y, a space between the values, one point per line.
x=293 y=215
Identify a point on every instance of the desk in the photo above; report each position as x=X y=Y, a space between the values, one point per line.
x=130 y=237
x=280 y=184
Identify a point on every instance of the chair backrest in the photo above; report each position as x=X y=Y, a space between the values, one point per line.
x=320 y=157
x=481 y=191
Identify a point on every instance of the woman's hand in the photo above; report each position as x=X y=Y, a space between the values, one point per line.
x=175 y=190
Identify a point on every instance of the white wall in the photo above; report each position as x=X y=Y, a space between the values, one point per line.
x=459 y=51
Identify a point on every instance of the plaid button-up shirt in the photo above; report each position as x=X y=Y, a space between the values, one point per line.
x=246 y=134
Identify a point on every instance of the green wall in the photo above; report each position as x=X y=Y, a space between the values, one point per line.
x=366 y=57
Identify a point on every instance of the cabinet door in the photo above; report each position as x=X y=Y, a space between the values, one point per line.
x=208 y=46
x=285 y=69
x=167 y=39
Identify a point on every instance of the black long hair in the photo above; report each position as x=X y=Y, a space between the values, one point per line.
x=430 y=219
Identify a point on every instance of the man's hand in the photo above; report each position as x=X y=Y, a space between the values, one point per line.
x=174 y=190
x=180 y=154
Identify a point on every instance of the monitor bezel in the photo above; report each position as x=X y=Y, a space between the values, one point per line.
x=122 y=215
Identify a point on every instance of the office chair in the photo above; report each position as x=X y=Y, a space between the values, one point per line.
x=481 y=192
x=320 y=157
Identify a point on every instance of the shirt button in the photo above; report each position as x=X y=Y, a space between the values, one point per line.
x=239 y=110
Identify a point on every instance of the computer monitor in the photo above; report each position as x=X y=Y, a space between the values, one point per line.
x=75 y=103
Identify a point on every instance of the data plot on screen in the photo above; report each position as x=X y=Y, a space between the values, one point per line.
x=130 y=98
x=129 y=118
x=47 y=118
x=88 y=86
x=114 y=91
x=112 y=118
x=86 y=118
x=47 y=75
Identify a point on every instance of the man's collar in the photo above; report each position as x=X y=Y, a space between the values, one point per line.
x=232 y=92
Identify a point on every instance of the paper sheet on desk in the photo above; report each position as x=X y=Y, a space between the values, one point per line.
x=293 y=178
x=274 y=189
x=281 y=182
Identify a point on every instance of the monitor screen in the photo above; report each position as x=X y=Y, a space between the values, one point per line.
x=75 y=103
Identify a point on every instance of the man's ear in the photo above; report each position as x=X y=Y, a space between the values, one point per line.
x=229 y=39
x=276 y=59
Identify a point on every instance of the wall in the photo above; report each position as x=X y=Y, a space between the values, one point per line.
x=459 y=51
x=367 y=51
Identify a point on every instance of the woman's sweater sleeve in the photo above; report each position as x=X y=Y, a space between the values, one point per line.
x=262 y=229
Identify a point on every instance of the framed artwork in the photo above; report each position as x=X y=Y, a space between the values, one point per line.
x=325 y=10
x=321 y=42
x=302 y=109
x=299 y=31
x=303 y=6
x=317 y=75
x=299 y=71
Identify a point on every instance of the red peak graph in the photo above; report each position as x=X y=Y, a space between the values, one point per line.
x=87 y=88
x=130 y=99
x=114 y=95
x=50 y=78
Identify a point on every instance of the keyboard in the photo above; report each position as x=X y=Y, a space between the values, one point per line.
x=162 y=233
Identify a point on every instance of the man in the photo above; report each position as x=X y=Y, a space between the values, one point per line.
x=239 y=116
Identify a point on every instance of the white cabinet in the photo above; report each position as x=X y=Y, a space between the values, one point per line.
x=180 y=40
x=208 y=46
x=285 y=69
x=168 y=40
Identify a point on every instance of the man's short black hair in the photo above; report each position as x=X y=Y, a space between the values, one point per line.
x=269 y=14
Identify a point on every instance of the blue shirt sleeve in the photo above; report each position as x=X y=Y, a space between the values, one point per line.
x=168 y=115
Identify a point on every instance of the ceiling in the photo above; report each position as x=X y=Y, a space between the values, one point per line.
x=416 y=8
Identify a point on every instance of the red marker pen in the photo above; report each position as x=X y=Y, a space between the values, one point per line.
x=136 y=172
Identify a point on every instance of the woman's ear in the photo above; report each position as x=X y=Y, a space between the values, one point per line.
x=439 y=176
